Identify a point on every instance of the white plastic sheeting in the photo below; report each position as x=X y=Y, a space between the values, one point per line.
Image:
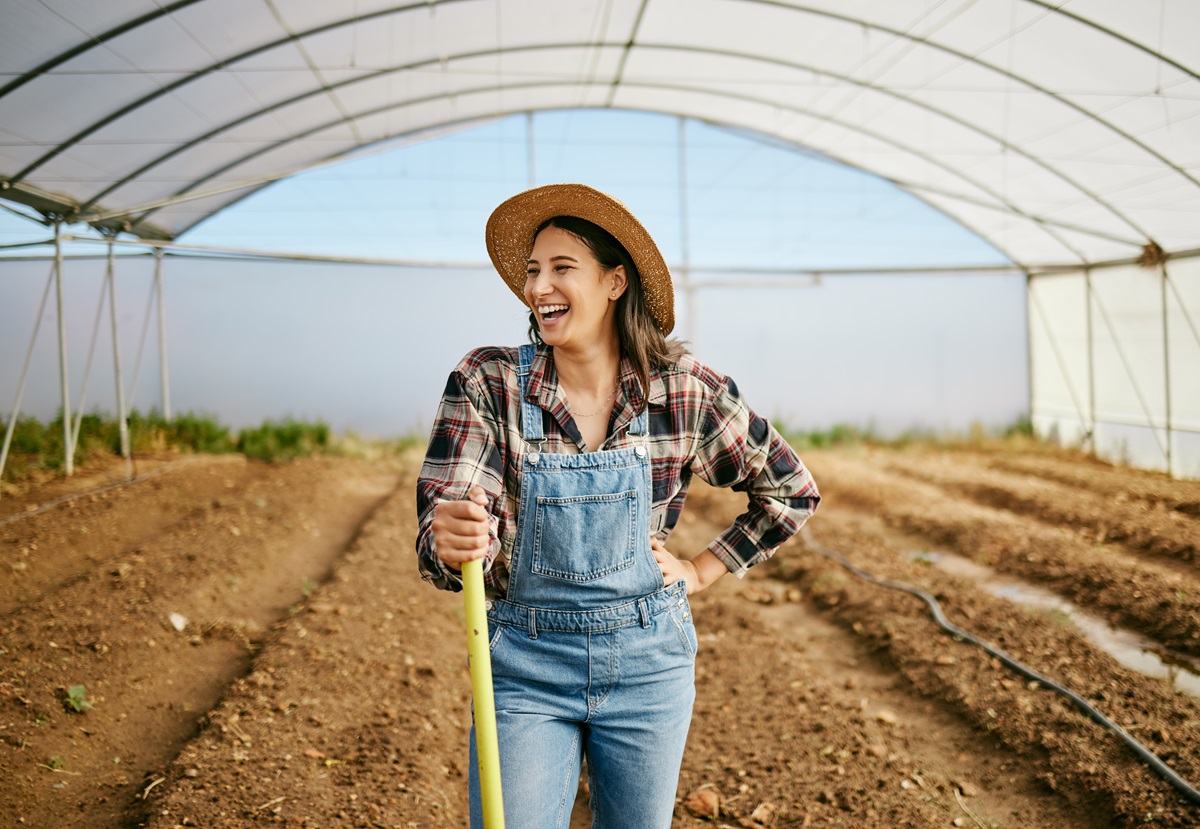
x=1115 y=363
x=1061 y=132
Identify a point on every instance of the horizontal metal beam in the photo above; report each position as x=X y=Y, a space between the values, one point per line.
x=1067 y=270
x=214 y=252
x=1051 y=410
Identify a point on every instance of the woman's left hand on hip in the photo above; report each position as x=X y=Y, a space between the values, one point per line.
x=674 y=569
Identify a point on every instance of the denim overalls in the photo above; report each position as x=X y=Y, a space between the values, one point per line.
x=591 y=654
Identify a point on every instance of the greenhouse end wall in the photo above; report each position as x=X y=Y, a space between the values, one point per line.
x=1115 y=363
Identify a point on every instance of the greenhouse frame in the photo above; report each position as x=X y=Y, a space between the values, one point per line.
x=1067 y=135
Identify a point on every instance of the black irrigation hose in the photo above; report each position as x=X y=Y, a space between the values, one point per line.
x=1150 y=758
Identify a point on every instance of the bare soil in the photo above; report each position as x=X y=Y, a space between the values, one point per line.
x=258 y=648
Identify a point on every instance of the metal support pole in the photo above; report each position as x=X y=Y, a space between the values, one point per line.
x=1036 y=305
x=689 y=290
x=1162 y=269
x=68 y=454
x=1187 y=318
x=141 y=349
x=162 y=337
x=1129 y=372
x=87 y=368
x=1091 y=362
x=122 y=420
x=531 y=150
x=16 y=407
x=1030 y=385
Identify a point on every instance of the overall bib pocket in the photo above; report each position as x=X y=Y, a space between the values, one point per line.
x=582 y=538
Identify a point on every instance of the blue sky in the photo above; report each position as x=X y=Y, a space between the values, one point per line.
x=368 y=348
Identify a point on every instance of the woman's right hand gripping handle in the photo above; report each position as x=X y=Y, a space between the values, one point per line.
x=460 y=529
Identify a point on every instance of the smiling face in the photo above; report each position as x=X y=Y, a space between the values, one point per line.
x=571 y=294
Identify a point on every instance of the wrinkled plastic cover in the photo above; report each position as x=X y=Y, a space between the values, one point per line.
x=1060 y=136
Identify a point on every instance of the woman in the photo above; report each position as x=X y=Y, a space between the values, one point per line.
x=564 y=465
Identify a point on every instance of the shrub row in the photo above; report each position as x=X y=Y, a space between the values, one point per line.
x=39 y=446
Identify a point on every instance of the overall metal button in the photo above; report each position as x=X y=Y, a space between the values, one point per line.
x=640 y=451
x=534 y=457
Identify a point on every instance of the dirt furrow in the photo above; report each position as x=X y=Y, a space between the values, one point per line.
x=228 y=569
x=795 y=722
x=1158 y=601
x=821 y=700
x=1063 y=751
x=1169 y=535
x=356 y=711
x=1097 y=476
x=840 y=739
x=48 y=550
x=824 y=731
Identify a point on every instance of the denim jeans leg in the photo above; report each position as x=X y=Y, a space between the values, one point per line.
x=539 y=770
x=540 y=687
x=637 y=735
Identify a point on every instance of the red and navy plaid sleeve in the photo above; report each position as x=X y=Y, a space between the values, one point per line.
x=741 y=450
x=466 y=447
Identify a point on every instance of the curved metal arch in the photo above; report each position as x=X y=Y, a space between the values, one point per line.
x=1007 y=145
x=1045 y=225
x=916 y=189
x=314 y=92
x=1061 y=9
x=466 y=122
x=628 y=45
x=88 y=45
x=992 y=67
x=58 y=149
x=619 y=75
x=724 y=53
x=458 y=123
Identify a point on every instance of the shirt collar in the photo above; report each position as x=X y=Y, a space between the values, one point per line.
x=542 y=387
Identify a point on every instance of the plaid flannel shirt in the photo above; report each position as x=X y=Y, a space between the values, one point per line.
x=699 y=425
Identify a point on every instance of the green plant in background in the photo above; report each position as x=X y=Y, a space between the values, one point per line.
x=188 y=432
x=76 y=699
x=54 y=762
x=284 y=439
x=924 y=557
x=37 y=448
x=840 y=434
x=1022 y=427
x=1020 y=433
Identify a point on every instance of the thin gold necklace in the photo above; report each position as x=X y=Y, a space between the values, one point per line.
x=608 y=400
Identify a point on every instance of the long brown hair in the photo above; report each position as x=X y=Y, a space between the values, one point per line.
x=639 y=336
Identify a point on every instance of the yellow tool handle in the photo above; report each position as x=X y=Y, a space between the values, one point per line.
x=487 y=746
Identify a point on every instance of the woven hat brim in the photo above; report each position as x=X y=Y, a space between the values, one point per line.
x=511 y=226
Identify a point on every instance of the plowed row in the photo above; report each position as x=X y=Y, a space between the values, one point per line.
x=319 y=683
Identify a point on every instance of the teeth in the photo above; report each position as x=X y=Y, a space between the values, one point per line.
x=549 y=309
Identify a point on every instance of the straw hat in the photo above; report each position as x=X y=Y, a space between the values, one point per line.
x=511 y=227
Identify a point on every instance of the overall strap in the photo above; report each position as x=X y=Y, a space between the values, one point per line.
x=531 y=413
x=640 y=425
